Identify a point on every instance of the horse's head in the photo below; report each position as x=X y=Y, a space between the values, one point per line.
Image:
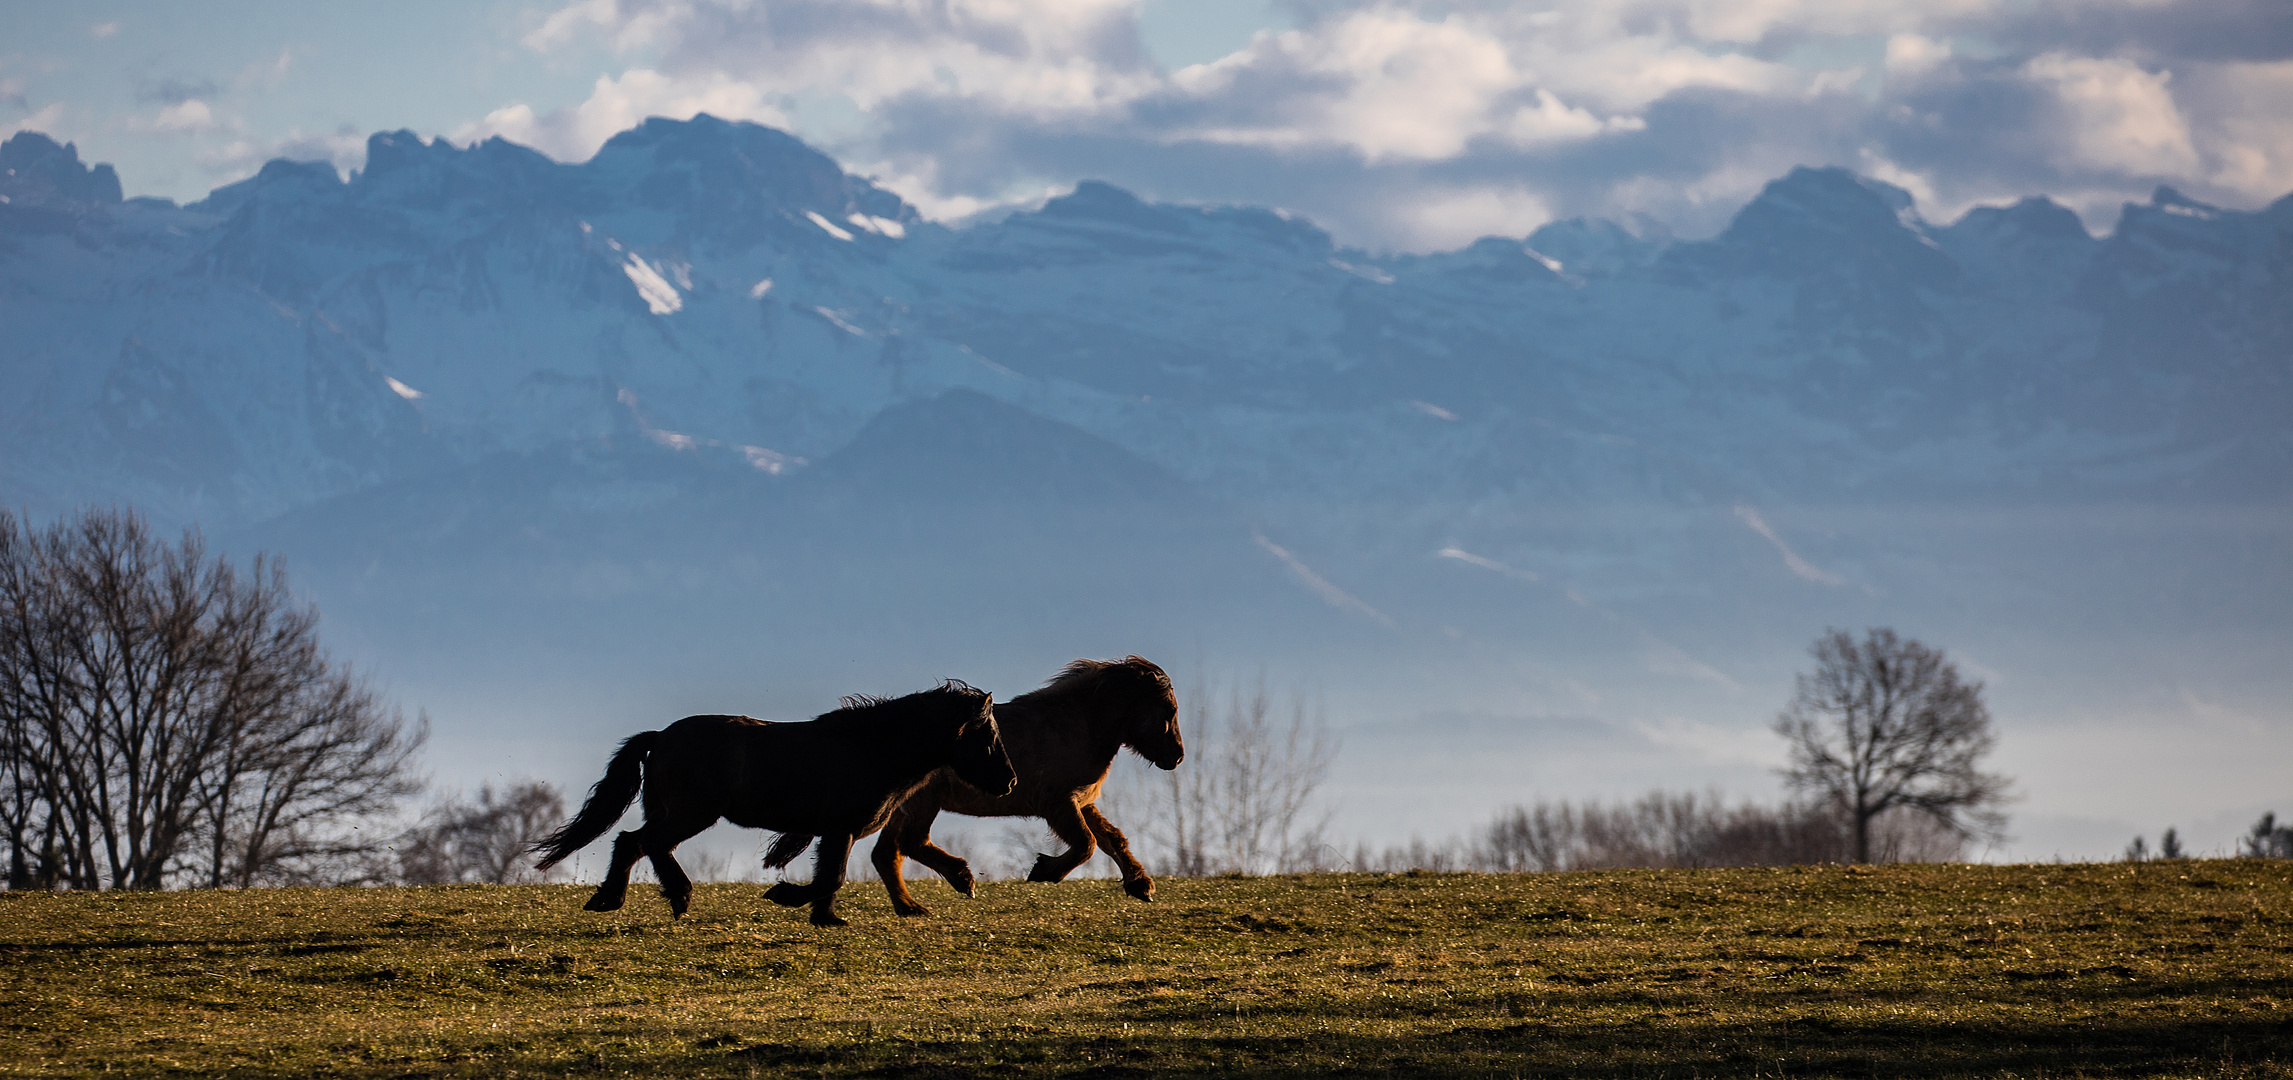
x=978 y=757
x=1143 y=697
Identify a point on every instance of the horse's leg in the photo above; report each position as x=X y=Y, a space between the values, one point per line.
x=916 y=843
x=1135 y=879
x=615 y=888
x=887 y=858
x=1067 y=824
x=828 y=876
x=659 y=840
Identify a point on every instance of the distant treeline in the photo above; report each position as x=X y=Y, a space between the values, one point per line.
x=1669 y=830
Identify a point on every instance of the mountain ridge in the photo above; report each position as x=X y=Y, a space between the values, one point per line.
x=415 y=287
x=708 y=423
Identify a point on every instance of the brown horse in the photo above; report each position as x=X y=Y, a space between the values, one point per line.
x=1062 y=740
x=838 y=777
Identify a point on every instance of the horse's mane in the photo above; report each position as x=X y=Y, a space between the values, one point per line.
x=858 y=705
x=1086 y=675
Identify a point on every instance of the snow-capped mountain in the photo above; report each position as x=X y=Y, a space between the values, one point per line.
x=710 y=285
x=709 y=384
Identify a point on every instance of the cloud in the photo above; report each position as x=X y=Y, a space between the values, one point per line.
x=47 y=119
x=189 y=115
x=1321 y=586
x=240 y=155
x=2119 y=117
x=1416 y=125
x=176 y=91
x=1486 y=563
x=103 y=30
x=1457 y=217
x=1800 y=568
x=1913 y=54
x=2242 y=114
x=618 y=104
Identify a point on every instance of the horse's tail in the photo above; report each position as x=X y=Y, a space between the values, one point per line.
x=624 y=775
x=786 y=848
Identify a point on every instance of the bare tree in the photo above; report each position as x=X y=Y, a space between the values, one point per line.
x=2268 y=840
x=1244 y=800
x=166 y=720
x=484 y=840
x=1887 y=723
x=1661 y=829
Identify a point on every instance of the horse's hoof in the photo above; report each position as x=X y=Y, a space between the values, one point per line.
x=787 y=894
x=602 y=902
x=1143 y=888
x=962 y=880
x=912 y=911
x=1045 y=870
x=826 y=920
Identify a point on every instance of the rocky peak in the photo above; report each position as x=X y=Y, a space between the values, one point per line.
x=1825 y=223
x=1096 y=201
x=732 y=181
x=405 y=172
x=35 y=171
x=2036 y=217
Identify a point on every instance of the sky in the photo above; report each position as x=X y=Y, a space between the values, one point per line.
x=1404 y=126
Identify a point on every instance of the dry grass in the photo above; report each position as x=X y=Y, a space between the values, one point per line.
x=2100 y=970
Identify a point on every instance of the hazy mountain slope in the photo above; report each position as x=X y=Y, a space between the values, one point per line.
x=706 y=418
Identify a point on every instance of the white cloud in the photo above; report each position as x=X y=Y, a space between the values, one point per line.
x=1751 y=21
x=2247 y=134
x=618 y=104
x=1035 y=57
x=1321 y=586
x=1484 y=562
x=1913 y=54
x=241 y=155
x=1876 y=165
x=1416 y=124
x=47 y=119
x=1799 y=567
x=2122 y=118
x=921 y=187
x=1388 y=83
x=1391 y=84
x=191 y=114
x=647 y=24
x=103 y=30
x=1447 y=219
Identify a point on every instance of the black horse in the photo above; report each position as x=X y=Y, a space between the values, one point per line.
x=838 y=777
x=1062 y=739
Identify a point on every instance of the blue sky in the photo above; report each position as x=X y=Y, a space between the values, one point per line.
x=1403 y=125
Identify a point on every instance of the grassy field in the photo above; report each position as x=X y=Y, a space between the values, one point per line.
x=2097 y=970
